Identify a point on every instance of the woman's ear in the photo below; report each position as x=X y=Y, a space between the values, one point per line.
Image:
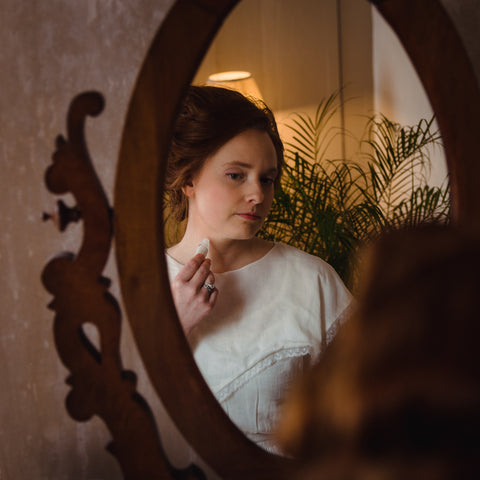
x=188 y=189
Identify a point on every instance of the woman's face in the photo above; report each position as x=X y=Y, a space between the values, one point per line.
x=232 y=194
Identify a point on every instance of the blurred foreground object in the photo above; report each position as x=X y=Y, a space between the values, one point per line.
x=397 y=393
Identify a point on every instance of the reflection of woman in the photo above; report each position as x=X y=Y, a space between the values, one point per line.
x=254 y=312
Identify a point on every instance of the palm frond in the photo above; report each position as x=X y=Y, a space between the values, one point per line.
x=329 y=208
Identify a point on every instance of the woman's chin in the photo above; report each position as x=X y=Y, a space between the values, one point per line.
x=244 y=235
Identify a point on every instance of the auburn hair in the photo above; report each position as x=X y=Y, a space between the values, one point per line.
x=209 y=118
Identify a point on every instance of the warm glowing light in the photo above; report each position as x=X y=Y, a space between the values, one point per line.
x=240 y=81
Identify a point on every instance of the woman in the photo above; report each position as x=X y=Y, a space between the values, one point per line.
x=254 y=312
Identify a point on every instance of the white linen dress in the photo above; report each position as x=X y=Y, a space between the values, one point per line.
x=271 y=320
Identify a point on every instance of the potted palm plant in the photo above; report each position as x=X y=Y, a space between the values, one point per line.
x=330 y=208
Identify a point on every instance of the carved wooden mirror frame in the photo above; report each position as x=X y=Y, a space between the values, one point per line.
x=430 y=39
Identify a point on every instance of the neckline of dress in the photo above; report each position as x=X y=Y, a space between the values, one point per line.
x=248 y=265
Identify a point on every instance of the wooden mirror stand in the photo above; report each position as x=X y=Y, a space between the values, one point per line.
x=99 y=385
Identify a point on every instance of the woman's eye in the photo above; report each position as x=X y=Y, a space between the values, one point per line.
x=267 y=180
x=234 y=176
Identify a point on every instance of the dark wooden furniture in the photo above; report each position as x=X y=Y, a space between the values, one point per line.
x=99 y=385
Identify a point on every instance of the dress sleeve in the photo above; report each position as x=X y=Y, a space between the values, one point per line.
x=336 y=303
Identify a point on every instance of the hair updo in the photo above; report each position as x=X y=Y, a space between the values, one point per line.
x=209 y=118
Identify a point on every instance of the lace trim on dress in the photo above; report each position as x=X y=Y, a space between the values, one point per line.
x=232 y=387
x=333 y=330
x=342 y=318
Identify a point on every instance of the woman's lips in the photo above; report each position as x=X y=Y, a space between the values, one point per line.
x=249 y=216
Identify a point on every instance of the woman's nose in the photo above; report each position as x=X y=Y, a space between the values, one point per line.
x=255 y=193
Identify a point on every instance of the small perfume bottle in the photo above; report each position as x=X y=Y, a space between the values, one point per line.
x=203 y=247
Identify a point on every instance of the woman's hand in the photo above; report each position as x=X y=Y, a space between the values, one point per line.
x=192 y=300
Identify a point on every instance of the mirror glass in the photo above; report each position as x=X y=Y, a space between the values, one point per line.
x=301 y=54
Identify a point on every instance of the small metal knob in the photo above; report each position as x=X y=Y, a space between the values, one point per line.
x=63 y=215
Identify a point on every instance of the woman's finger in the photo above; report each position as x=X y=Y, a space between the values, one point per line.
x=213 y=297
x=209 y=284
x=192 y=267
x=210 y=278
x=203 y=272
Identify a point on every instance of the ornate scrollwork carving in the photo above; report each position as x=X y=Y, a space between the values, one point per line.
x=99 y=384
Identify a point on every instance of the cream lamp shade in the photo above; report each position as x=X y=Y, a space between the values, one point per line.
x=243 y=82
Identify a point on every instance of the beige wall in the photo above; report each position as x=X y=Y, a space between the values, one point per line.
x=281 y=43
x=300 y=52
x=50 y=51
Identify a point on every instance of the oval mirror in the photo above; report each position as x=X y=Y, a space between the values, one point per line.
x=423 y=27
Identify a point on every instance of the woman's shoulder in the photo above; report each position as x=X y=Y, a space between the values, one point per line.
x=298 y=264
x=302 y=259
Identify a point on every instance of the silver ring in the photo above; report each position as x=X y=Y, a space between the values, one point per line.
x=209 y=286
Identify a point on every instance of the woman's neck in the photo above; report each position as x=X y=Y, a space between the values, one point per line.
x=225 y=254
